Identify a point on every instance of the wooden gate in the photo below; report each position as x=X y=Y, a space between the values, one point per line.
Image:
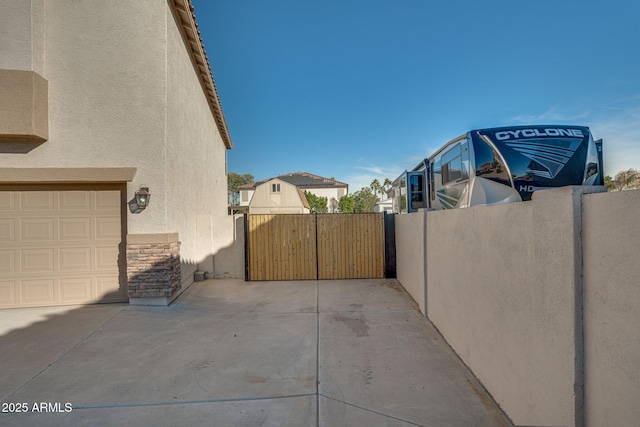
x=281 y=247
x=310 y=247
x=350 y=246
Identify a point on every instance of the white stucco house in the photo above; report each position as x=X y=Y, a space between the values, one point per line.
x=322 y=187
x=98 y=99
x=384 y=206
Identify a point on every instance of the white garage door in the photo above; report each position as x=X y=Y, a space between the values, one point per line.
x=60 y=246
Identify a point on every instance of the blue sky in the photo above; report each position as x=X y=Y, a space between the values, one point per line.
x=364 y=89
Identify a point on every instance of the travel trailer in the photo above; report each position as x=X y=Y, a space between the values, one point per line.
x=500 y=165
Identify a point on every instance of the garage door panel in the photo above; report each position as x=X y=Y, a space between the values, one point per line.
x=75 y=259
x=37 y=261
x=60 y=247
x=37 y=201
x=7 y=200
x=75 y=229
x=75 y=201
x=37 y=230
x=7 y=261
x=108 y=228
x=109 y=289
x=76 y=289
x=39 y=291
x=108 y=200
x=106 y=258
x=7 y=293
x=7 y=230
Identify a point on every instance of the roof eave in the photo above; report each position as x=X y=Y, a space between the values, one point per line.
x=185 y=17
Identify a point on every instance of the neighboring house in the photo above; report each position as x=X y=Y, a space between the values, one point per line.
x=322 y=187
x=278 y=197
x=384 y=206
x=99 y=98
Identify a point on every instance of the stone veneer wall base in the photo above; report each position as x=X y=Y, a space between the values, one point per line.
x=153 y=268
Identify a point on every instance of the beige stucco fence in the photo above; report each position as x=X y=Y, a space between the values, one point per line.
x=540 y=299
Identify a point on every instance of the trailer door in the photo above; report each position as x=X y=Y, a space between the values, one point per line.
x=416 y=191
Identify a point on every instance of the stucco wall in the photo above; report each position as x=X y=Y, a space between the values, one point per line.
x=482 y=296
x=540 y=299
x=196 y=183
x=105 y=63
x=410 y=255
x=228 y=250
x=611 y=233
x=22 y=34
x=24 y=107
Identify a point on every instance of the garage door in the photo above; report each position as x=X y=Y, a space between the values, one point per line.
x=60 y=246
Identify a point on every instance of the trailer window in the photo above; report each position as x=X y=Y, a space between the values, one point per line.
x=489 y=165
x=452 y=167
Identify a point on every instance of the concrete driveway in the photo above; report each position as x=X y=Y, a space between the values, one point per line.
x=234 y=353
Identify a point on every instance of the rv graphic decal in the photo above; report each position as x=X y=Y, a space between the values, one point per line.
x=532 y=133
x=447 y=201
x=552 y=155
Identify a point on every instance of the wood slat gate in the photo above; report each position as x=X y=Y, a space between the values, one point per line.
x=310 y=247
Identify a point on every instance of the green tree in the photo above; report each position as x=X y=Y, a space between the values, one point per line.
x=379 y=188
x=364 y=200
x=624 y=180
x=345 y=204
x=316 y=204
x=235 y=180
x=608 y=182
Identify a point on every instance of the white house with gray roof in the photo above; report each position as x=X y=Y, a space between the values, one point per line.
x=322 y=187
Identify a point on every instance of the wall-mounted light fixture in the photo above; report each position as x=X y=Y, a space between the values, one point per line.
x=141 y=200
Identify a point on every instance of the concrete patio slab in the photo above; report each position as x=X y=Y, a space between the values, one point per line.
x=234 y=296
x=230 y=352
x=396 y=364
x=265 y=412
x=335 y=413
x=32 y=339
x=363 y=295
x=158 y=355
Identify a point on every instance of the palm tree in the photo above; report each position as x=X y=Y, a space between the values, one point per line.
x=387 y=185
x=376 y=187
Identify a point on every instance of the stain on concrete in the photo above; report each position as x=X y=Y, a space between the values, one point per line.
x=488 y=403
x=392 y=284
x=367 y=374
x=255 y=379
x=357 y=325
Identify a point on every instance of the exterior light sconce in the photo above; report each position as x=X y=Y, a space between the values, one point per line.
x=141 y=200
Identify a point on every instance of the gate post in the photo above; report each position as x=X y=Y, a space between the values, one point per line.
x=317 y=254
x=390 y=246
x=246 y=248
